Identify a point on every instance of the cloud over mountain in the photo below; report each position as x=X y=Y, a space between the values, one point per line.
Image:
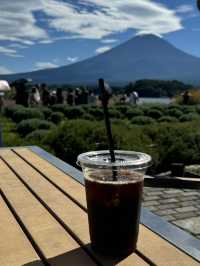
x=94 y=19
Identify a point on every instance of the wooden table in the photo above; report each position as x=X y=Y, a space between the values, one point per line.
x=43 y=219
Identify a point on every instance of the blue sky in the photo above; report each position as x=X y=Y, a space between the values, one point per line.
x=37 y=34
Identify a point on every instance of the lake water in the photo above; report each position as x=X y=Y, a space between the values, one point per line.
x=155 y=100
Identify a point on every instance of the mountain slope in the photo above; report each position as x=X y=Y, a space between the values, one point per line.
x=145 y=56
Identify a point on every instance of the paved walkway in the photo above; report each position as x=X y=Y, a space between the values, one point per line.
x=178 y=206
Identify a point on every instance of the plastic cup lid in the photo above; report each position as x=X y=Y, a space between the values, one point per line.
x=124 y=159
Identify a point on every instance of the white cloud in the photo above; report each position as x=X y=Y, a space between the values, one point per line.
x=103 y=49
x=5 y=70
x=72 y=59
x=9 y=52
x=18 y=46
x=184 y=9
x=45 y=65
x=109 y=41
x=18 y=22
x=111 y=17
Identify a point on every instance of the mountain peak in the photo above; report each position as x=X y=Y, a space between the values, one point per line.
x=149 y=35
x=145 y=56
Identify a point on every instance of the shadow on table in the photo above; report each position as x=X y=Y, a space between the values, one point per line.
x=77 y=257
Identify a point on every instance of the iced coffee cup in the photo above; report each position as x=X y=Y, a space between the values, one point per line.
x=114 y=196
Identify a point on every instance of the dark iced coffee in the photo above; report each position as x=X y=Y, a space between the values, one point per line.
x=113 y=205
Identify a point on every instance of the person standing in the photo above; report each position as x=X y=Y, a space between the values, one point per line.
x=45 y=94
x=59 y=96
x=70 y=97
x=34 y=98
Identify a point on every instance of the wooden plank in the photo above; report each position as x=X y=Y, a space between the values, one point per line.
x=15 y=249
x=58 y=247
x=63 y=181
x=160 y=251
x=70 y=213
x=149 y=243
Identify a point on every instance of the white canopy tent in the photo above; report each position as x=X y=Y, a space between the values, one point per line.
x=4 y=86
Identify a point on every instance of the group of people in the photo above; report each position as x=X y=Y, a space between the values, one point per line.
x=80 y=96
x=28 y=95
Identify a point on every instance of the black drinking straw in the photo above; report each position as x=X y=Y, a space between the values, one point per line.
x=105 y=95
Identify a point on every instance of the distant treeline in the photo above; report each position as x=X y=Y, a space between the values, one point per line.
x=157 y=88
x=145 y=88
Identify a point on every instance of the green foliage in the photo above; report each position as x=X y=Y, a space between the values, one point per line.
x=189 y=117
x=142 y=120
x=133 y=112
x=188 y=109
x=27 y=113
x=59 y=108
x=10 y=110
x=37 y=135
x=113 y=113
x=27 y=126
x=154 y=113
x=174 y=112
x=46 y=111
x=168 y=119
x=178 y=143
x=73 y=112
x=157 y=88
x=10 y=137
x=96 y=112
x=76 y=136
x=56 y=117
x=123 y=109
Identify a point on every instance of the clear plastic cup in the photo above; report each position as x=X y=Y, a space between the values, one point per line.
x=114 y=196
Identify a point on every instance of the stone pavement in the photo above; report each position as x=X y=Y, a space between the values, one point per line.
x=178 y=206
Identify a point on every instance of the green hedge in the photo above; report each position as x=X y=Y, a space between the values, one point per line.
x=27 y=126
x=76 y=136
x=56 y=117
x=142 y=120
x=27 y=113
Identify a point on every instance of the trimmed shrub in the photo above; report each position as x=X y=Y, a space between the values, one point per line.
x=168 y=119
x=178 y=143
x=73 y=112
x=27 y=126
x=96 y=112
x=174 y=112
x=147 y=107
x=77 y=136
x=188 y=109
x=198 y=109
x=115 y=113
x=189 y=117
x=175 y=106
x=134 y=112
x=56 y=117
x=123 y=109
x=153 y=113
x=27 y=113
x=37 y=135
x=59 y=108
x=142 y=120
x=46 y=111
x=88 y=117
x=10 y=110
